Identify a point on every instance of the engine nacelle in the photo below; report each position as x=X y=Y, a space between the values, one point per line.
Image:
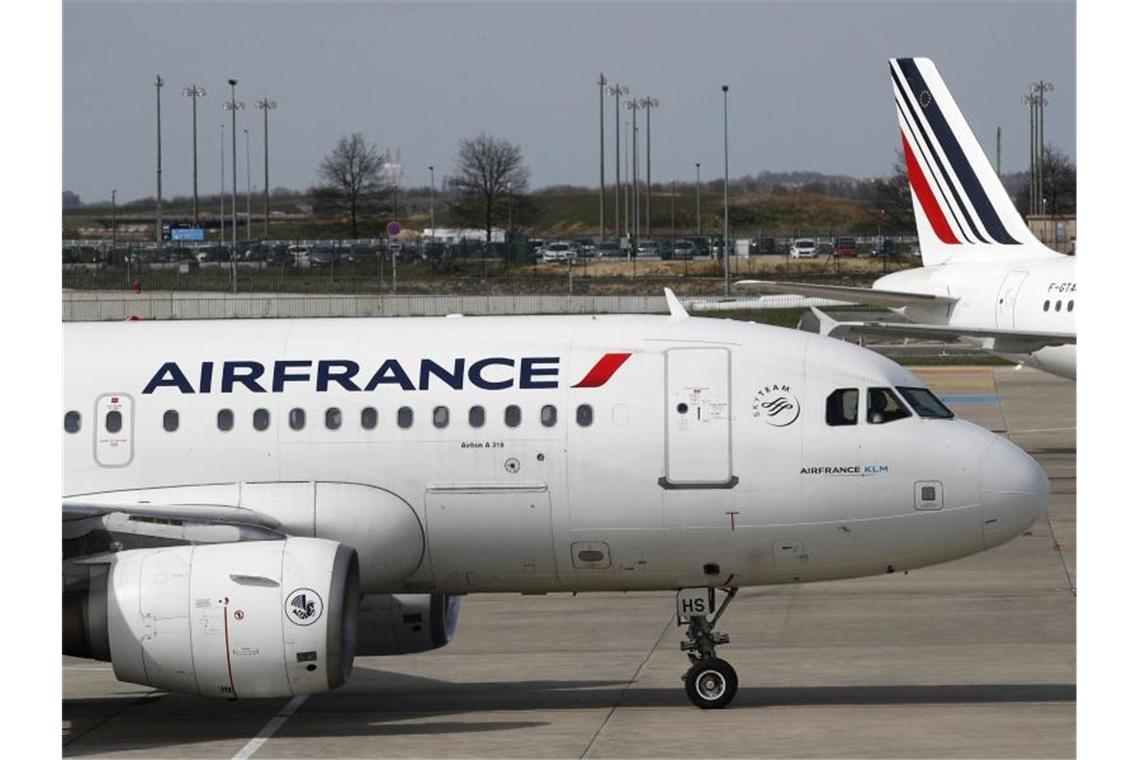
x=405 y=623
x=249 y=619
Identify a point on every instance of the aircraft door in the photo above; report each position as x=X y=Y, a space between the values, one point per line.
x=698 y=418
x=1007 y=297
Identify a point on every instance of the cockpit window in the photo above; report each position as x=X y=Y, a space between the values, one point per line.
x=843 y=407
x=925 y=403
x=884 y=406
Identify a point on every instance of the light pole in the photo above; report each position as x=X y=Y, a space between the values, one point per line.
x=724 y=247
x=233 y=106
x=625 y=187
x=194 y=92
x=1039 y=89
x=601 y=157
x=431 y=170
x=114 y=228
x=248 y=189
x=222 y=189
x=266 y=105
x=698 y=199
x=647 y=104
x=158 y=165
x=618 y=91
x=633 y=105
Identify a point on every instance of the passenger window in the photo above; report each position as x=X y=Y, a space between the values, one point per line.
x=585 y=415
x=1045 y=307
x=884 y=406
x=368 y=418
x=1070 y=305
x=170 y=420
x=260 y=419
x=225 y=420
x=512 y=416
x=925 y=403
x=71 y=422
x=476 y=416
x=332 y=418
x=297 y=418
x=1058 y=307
x=440 y=416
x=404 y=417
x=843 y=407
x=113 y=421
x=548 y=415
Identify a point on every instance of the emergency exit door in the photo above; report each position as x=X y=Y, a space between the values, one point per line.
x=698 y=418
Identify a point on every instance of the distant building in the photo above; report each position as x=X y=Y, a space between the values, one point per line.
x=455 y=235
x=1058 y=232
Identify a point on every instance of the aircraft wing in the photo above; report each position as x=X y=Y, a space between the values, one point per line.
x=206 y=514
x=1008 y=341
x=869 y=296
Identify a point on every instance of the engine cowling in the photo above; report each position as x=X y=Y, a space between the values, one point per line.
x=405 y=623
x=249 y=619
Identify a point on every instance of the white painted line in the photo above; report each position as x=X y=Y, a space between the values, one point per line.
x=270 y=728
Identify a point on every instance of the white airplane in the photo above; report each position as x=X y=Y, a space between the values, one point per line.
x=248 y=504
x=985 y=278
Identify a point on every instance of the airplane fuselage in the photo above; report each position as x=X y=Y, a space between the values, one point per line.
x=1034 y=295
x=537 y=454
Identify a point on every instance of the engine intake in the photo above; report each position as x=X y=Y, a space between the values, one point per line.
x=249 y=619
x=405 y=623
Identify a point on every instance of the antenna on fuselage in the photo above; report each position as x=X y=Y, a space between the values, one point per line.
x=676 y=309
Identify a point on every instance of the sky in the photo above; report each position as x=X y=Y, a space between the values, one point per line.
x=809 y=85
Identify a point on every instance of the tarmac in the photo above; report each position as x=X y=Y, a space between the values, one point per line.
x=974 y=658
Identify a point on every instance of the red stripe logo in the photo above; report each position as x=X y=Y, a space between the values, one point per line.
x=925 y=197
x=601 y=372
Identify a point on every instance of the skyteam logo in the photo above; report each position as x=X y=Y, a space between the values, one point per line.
x=776 y=405
x=491 y=373
x=304 y=606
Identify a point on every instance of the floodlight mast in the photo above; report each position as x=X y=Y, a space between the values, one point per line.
x=233 y=106
x=266 y=105
x=194 y=92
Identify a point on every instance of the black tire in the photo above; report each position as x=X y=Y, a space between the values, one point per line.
x=711 y=684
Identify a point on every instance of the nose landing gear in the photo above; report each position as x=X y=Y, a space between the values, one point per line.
x=710 y=682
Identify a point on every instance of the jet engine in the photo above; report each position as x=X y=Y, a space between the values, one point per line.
x=405 y=623
x=251 y=619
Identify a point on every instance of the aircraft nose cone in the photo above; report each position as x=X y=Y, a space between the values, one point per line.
x=1015 y=492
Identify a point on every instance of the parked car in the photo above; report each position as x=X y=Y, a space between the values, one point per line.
x=844 y=246
x=553 y=252
x=300 y=254
x=586 y=247
x=648 y=248
x=322 y=256
x=610 y=249
x=804 y=248
x=684 y=249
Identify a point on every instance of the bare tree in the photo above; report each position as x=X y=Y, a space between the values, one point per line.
x=892 y=196
x=352 y=179
x=489 y=172
x=1059 y=180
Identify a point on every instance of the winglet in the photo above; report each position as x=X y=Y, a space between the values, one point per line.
x=676 y=309
x=825 y=325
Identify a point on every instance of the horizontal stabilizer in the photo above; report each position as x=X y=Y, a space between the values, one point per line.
x=869 y=296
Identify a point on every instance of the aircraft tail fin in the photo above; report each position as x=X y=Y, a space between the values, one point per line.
x=961 y=209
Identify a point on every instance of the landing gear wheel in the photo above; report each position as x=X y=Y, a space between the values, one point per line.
x=711 y=683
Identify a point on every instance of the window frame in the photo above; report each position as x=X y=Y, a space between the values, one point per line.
x=589 y=411
x=227 y=414
x=268 y=419
x=827 y=408
x=902 y=407
x=507 y=411
x=297 y=418
x=905 y=390
x=166 y=417
x=72 y=414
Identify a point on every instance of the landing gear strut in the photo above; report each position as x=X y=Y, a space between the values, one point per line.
x=710 y=682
